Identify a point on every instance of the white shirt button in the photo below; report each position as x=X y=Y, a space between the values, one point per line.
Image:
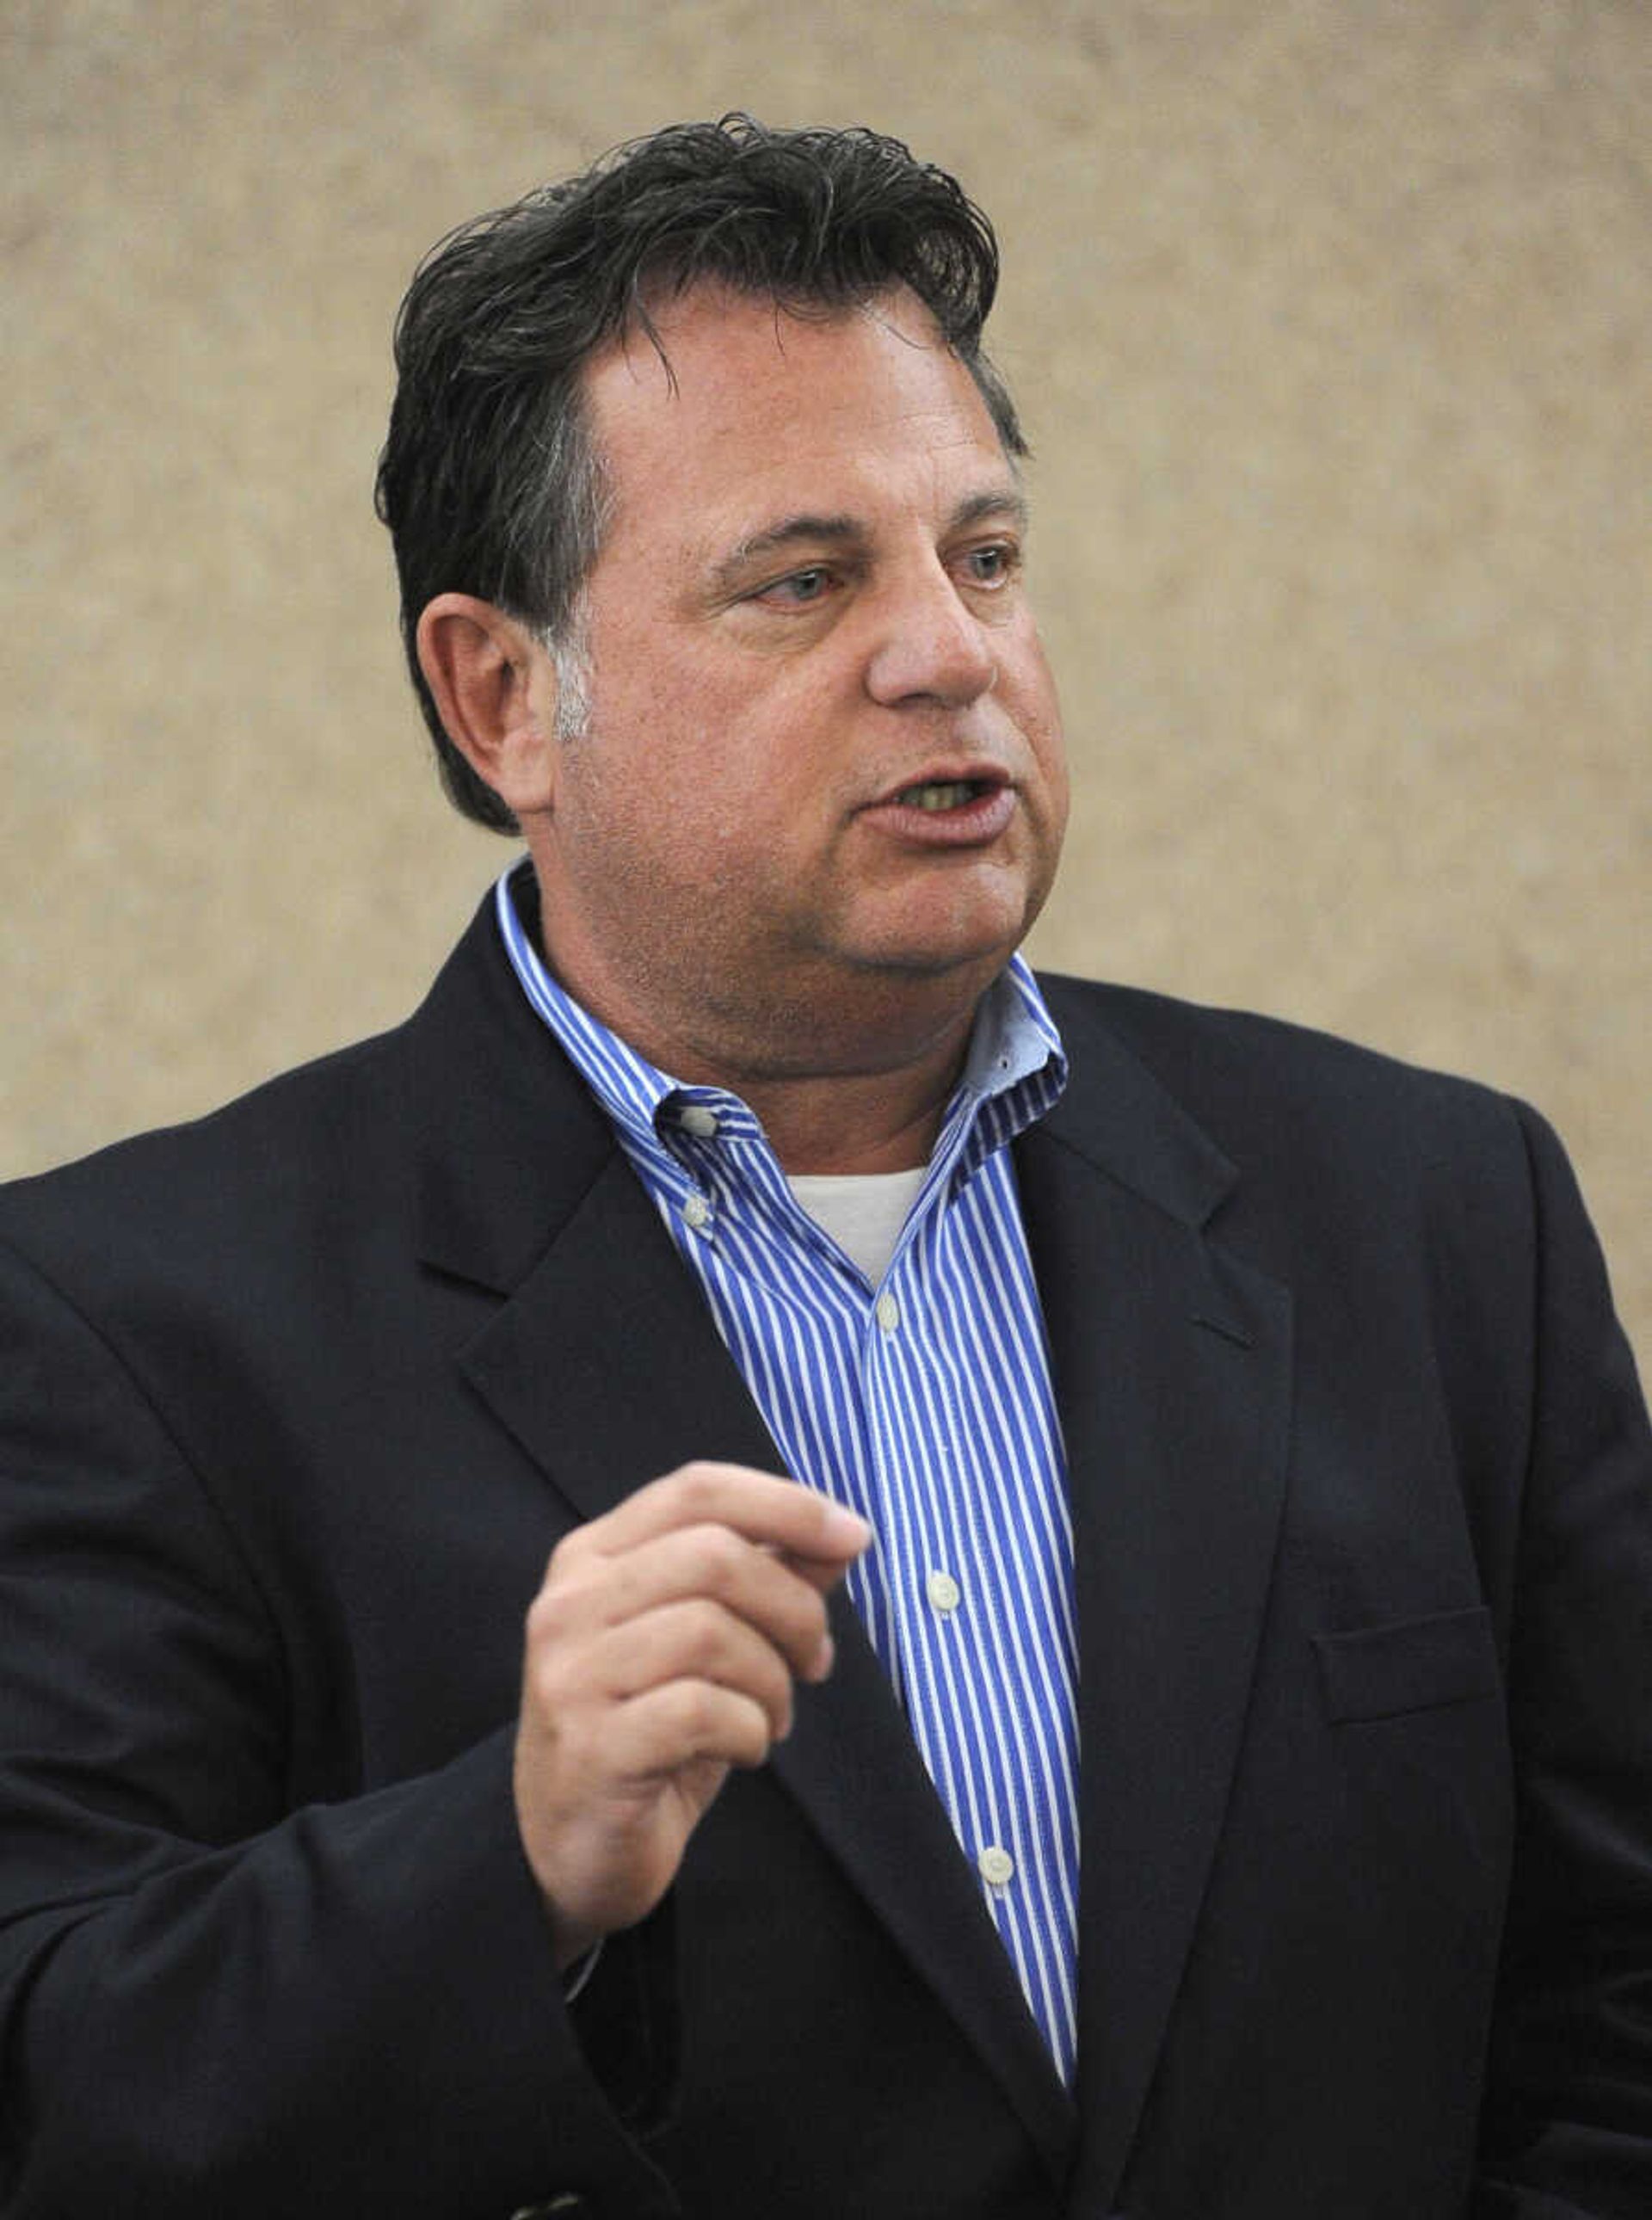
x=943 y=1591
x=997 y=1865
x=696 y=1213
x=888 y=1313
x=696 y=1118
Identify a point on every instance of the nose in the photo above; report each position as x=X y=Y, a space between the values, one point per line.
x=931 y=647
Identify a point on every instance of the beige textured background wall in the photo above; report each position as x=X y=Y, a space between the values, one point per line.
x=1330 y=321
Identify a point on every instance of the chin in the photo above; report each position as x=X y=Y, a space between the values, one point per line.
x=981 y=943
x=970 y=964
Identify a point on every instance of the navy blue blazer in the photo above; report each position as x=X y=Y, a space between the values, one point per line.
x=294 y=1404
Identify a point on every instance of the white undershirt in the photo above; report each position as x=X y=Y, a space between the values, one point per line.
x=863 y=1212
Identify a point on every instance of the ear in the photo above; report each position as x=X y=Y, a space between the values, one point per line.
x=495 y=687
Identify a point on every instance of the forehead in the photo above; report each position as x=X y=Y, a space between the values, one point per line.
x=745 y=402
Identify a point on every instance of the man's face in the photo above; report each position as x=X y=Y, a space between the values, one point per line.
x=820 y=793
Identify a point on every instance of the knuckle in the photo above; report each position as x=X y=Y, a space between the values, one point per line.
x=547 y=1619
x=718 y=1558
x=697 y=1488
x=798 y=1632
x=693 y=1709
x=569 y=1552
x=545 y=1694
x=771 y=1680
x=711 y=1637
x=757 y=1735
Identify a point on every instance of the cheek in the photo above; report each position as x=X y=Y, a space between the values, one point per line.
x=1041 y=721
x=1026 y=676
x=1060 y=787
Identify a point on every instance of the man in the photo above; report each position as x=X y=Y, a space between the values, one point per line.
x=558 y=1566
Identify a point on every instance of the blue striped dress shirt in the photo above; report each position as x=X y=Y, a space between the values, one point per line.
x=923 y=1403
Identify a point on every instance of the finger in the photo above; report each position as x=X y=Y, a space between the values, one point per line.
x=822 y=1573
x=696 y=1640
x=781 y=1514
x=583 y=1595
x=685 y=1722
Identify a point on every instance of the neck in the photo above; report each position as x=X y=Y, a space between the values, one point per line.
x=880 y=1122
x=854 y=1077
x=860 y=1092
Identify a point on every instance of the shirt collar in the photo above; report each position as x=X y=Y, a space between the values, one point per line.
x=1014 y=1071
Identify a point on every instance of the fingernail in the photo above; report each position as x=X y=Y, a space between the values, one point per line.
x=848 y=1524
x=824 y=1657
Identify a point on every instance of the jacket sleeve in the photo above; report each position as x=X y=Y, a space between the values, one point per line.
x=1566 y=2132
x=213 y=2001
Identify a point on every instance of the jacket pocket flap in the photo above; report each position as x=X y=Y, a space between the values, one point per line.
x=1413 y=1665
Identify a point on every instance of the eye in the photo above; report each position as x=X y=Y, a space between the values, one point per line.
x=992 y=565
x=799 y=588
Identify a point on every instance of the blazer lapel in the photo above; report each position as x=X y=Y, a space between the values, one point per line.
x=602 y=1362
x=639 y=1383
x=1171 y=1363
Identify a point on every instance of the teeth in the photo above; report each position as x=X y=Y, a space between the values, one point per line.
x=950 y=795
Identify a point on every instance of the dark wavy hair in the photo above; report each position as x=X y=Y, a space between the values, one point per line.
x=490 y=481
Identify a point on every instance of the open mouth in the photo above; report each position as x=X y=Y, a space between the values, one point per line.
x=942 y=794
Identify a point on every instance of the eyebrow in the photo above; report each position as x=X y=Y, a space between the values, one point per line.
x=808 y=529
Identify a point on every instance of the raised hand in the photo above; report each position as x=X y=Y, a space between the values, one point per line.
x=662 y=1650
